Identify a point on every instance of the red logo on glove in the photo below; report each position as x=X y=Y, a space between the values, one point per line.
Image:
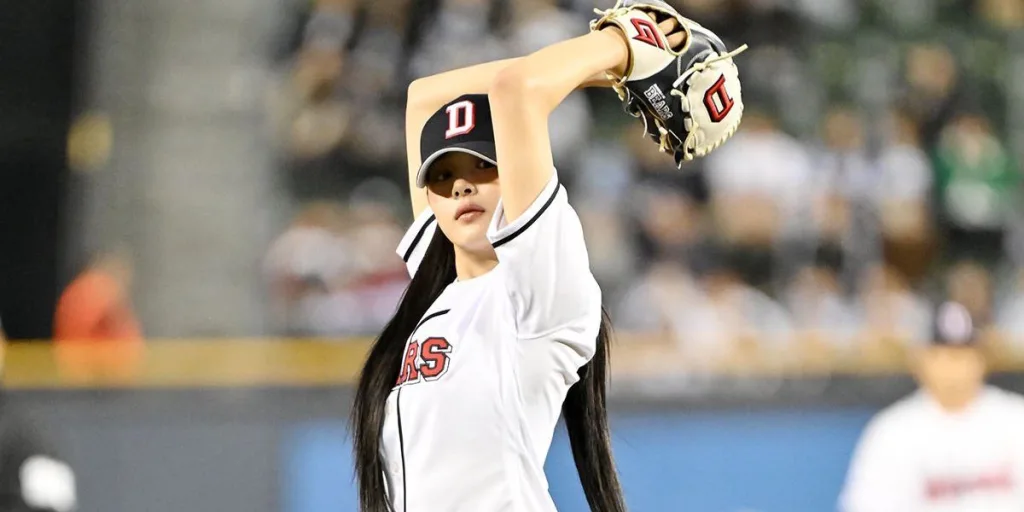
x=716 y=112
x=647 y=32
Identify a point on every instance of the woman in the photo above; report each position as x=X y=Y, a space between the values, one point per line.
x=501 y=326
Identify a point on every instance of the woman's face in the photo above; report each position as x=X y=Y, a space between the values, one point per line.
x=463 y=193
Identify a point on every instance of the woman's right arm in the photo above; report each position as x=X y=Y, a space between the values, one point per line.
x=428 y=94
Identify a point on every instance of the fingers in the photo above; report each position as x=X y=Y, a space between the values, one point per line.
x=675 y=41
x=666 y=26
x=670 y=27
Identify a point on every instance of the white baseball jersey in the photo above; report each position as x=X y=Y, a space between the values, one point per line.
x=470 y=421
x=916 y=457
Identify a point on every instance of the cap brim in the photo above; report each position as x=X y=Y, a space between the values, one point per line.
x=482 y=150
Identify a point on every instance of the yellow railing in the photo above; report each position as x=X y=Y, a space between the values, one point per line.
x=324 y=362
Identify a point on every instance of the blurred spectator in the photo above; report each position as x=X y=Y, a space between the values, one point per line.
x=903 y=199
x=932 y=78
x=819 y=308
x=761 y=187
x=838 y=15
x=97 y=305
x=451 y=29
x=735 y=317
x=669 y=224
x=970 y=285
x=305 y=259
x=311 y=118
x=334 y=272
x=846 y=180
x=1010 y=312
x=978 y=182
x=889 y=310
x=1004 y=14
x=658 y=299
x=374 y=93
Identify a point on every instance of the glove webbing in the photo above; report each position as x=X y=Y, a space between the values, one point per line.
x=691 y=136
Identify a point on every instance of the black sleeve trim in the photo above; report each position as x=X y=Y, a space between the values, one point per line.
x=428 y=317
x=529 y=223
x=416 y=240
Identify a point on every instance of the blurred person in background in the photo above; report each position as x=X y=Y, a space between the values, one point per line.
x=310 y=117
x=362 y=302
x=1010 y=311
x=737 y=319
x=932 y=82
x=1004 y=14
x=334 y=271
x=889 y=311
x=761 y=189
x=97 y=305
x=304 y=262
x=903 y=199
x=978 y=183
x=970 y=285
x=657 y=299
x=375 y=93
x=821 y=310
x=452 y=27
x=954 y=445
x=845 y=180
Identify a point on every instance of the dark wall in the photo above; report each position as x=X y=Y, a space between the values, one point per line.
x=37 y=48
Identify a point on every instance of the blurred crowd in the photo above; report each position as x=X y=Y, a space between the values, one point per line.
x=876 y=171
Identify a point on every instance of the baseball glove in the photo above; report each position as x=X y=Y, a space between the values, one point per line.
x=689 y=98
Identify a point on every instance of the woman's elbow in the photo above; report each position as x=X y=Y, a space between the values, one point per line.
x=517 y=87
x=417 y=92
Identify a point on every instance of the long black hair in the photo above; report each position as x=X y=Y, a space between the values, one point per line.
x=583 y=410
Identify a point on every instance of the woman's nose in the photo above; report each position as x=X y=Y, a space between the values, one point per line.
x=462 y=188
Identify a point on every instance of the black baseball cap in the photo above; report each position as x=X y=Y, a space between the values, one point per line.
x=953 y=326
x=463 y=125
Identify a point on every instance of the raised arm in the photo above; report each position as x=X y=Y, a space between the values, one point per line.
x=428 y=94
x=525 y=93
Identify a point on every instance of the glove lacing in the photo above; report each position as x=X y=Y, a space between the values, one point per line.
x=665 y=136
x=691 y=136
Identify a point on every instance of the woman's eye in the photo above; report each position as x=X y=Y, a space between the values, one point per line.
x=441 y=176
x=483 y=164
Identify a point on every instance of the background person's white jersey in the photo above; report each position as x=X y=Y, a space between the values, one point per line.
x=470 y=421
x=916 y=457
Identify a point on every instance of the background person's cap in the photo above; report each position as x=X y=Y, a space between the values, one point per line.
x=953 y=326
x=462 y=125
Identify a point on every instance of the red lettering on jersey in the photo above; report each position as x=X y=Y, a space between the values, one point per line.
x=410 y=372
x=715 y=111
x=647 y=33
x=461 y=118
x=426 y=361
x=945 y=488
x=434 y=352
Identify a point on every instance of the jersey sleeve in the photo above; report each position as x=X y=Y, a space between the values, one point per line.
x=414 y=244
x=879 y=478
x=547 y=269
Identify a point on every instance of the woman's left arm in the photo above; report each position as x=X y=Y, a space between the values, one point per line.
x=525 y=93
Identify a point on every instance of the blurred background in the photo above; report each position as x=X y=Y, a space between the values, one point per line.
x=202 y=199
